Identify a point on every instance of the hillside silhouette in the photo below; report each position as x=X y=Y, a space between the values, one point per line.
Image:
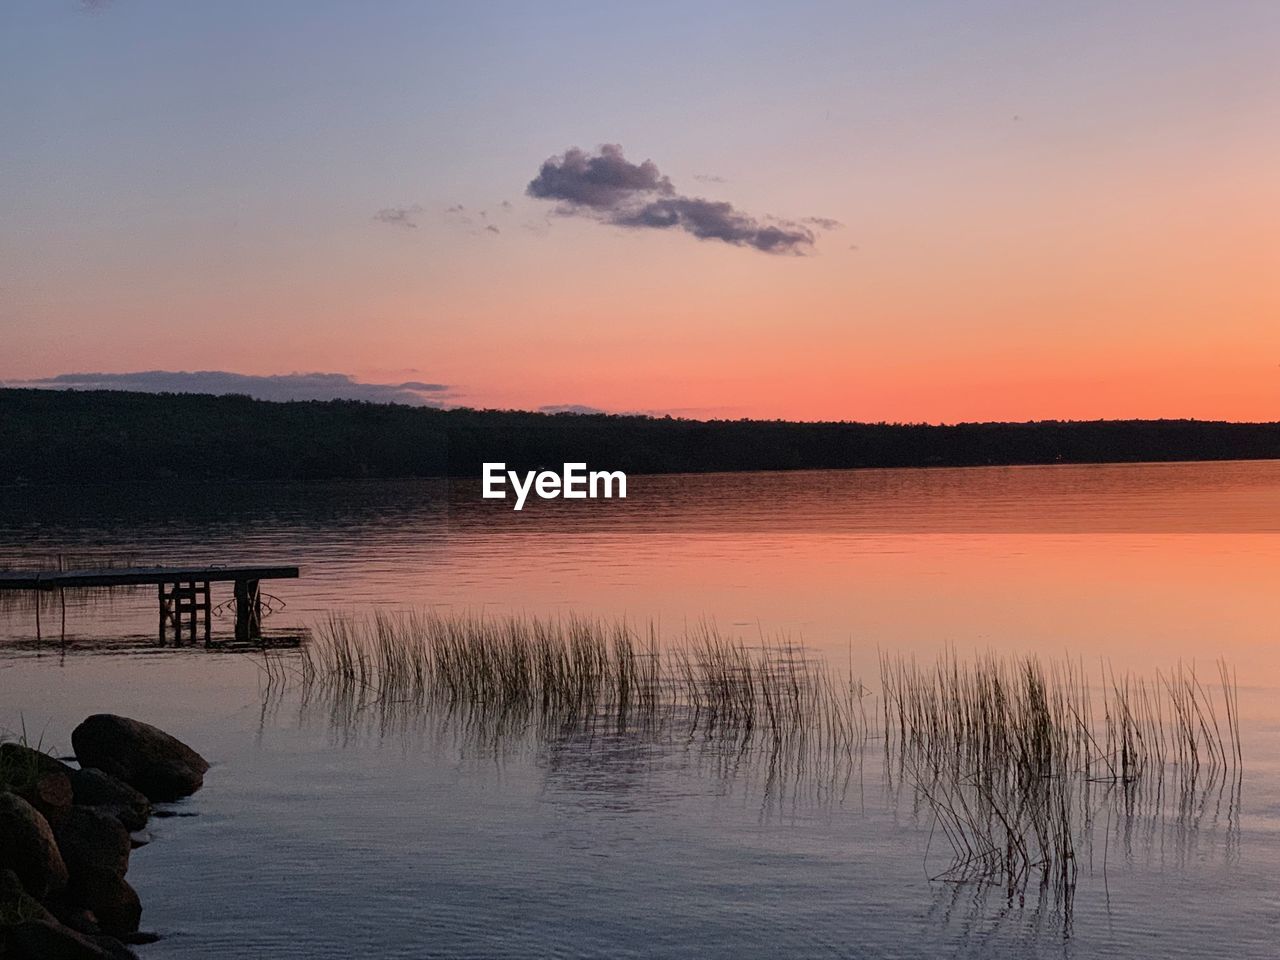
x=100 y=436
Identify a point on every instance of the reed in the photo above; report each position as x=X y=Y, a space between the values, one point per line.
x=561 y=672
x=1013 y=757
x=1007 y=752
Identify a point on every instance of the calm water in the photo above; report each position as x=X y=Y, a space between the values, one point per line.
x=328 y=835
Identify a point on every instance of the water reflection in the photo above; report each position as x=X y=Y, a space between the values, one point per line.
x=1127 y=560
x=531 y=826
x=1043 y=796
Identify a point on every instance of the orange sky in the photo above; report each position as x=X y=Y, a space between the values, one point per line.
x=1069 y=214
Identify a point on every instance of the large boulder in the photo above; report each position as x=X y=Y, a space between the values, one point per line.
x=42 y=939
x=148 y=759
x=92 y=787
x=27 y=847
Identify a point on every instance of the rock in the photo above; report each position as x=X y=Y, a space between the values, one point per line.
x=16 y=756
x=92 y=842
x=95 y=846
x=148 y=759
x=141 y=938
x=74 y=915
x=92 y=787
x=49 y=940
x=50 y=794
x=27 y=847
x=37 y=778
x=82 y=921
x=16 y=904
x=113 y=901
x=115 y=947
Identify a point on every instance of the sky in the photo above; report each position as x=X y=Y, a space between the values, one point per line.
x=867 y=211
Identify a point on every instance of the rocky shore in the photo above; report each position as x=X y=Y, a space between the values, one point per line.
x=66 y=833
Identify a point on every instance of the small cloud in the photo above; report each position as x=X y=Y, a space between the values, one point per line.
x=605 y=181
x=824 y=223
x=406 y=217
x=575 y=408
x=608 y=187
x=472 y=220
x=709 y=178
x=279 y=387
x=505 y=204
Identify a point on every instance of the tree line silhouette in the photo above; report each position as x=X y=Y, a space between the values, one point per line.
x=51 y=436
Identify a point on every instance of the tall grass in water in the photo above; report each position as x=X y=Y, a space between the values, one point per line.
x=1017 y=759
x=515 y=672
x=1010 y=753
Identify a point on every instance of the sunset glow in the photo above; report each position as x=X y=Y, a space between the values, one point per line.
x=1065 y=215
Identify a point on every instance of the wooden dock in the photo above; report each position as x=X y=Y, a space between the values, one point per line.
x=185 y=607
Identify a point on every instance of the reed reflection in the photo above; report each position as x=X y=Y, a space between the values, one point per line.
x=1028 y=774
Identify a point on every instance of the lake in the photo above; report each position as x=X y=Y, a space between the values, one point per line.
x=324 y=831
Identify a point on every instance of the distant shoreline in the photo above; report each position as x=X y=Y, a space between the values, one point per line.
x=94 y=437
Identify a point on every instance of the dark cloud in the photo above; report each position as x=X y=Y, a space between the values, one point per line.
x=569 y=408
x=289 y=386
x=603 y=182
x=610 y=188
x=824 y=223
x=399 y=216
x=718 y=220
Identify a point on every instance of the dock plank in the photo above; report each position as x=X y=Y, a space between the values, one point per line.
x=137 y=576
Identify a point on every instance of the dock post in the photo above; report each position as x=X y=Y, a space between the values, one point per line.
x=190 y=593
x=248 y=610
x=171 y=609
x=204 y=605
